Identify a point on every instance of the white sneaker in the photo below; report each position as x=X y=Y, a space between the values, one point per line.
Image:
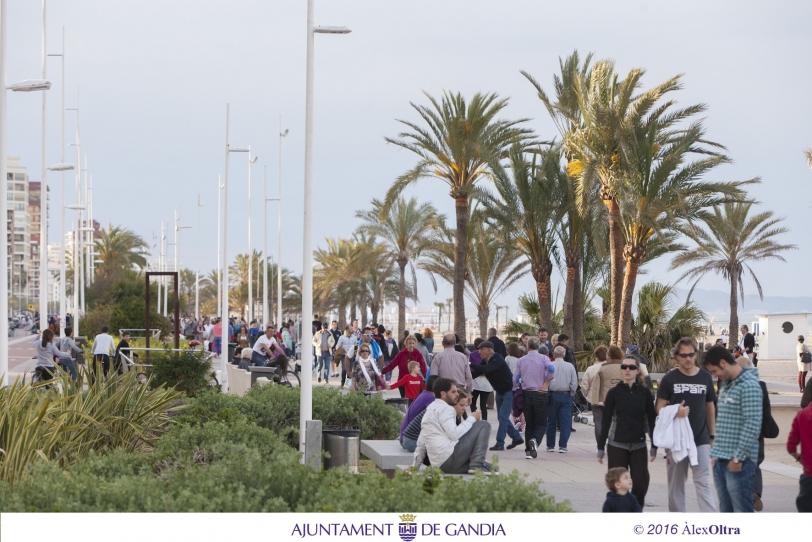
x=528 y=456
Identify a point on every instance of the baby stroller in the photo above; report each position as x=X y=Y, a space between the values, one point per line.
x=579 y=406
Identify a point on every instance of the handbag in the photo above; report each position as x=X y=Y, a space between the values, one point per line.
x=380 y=383
x=806 y=356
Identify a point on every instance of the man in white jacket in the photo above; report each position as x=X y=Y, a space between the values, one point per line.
x=690 y=389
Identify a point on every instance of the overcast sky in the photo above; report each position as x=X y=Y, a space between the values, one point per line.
x=155 y=78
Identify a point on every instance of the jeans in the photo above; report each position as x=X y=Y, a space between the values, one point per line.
x=218 y=345
x=469 y=452
x=258 y=359
x=408 y=444
x=677 y=473
x=559 y=413
x=324 y=365
x=535 y=416
x=504 y=405
x=735 y=489
x=68 y=366
x=804 y=500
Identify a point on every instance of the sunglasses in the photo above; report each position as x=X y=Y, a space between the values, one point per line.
x=686 y=356
x=365 y=351
x=625 y=367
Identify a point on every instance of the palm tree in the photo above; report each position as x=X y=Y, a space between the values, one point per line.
x=525 y=207
x=407 y=230
x=808 y=154
x=658 y=326
x=734 y=239
x=333 y=282
x=460 y=141
x=492 y=265
x=119 y=249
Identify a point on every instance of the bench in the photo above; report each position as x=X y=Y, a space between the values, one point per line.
x=239 y=381
x=422 y=470
x=386 y=454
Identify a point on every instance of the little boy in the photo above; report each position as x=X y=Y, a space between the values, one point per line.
x=801 y=432
x=620 y=498
x=413 y=382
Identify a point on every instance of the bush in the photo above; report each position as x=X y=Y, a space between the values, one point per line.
x=185 y=371
x=277 y=408
x=91 y=322
x=239 y=467
x=130 y=313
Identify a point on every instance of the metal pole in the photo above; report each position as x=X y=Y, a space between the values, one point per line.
x=250 y=251
x=197 y=263
x=76 y=268
x=219 y=259
x=279 y=232
x=43 y=207
x=265 y=249
x=306 y=383
x=224 y=306
x=63 y=302
x=82 y=258
x=4 y=261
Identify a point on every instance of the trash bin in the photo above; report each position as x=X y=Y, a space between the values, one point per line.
x=231 y=348
x=399 y=403
x=344 y=447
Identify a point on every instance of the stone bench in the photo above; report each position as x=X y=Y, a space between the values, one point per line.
x=422 y=470
x=386 y=454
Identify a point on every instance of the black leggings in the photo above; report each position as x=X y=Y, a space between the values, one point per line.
x=637 y=463
x=483 y=402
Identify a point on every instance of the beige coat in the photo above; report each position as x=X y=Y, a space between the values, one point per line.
x=588 y=382
x=608 y=377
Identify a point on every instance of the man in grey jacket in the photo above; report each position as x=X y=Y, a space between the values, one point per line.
x=67 y=344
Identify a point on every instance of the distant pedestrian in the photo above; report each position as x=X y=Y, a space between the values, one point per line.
x=67 y=345
x=482 y=388
x=498 y=344
x=452 y=364
x=562 y=389
x=591 y=388
x=428 y=339
x=620 y=498
x=500 y=378
x=534 y=372
x=103 y=348
x=804 y=361
x=738 y=425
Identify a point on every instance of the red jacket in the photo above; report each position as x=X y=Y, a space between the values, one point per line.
x=401 y=361
x=801 y=432
x=413 y=384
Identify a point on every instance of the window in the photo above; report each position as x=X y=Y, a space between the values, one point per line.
x=19 y=206
x=19 y=176
x=9 y=176
x=787 y=327
x=20 y=187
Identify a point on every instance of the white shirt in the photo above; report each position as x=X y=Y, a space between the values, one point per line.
x=264 y=340
x=103 y=345
x=439 y=433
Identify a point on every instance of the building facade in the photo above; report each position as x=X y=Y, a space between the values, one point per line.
x=17 y=188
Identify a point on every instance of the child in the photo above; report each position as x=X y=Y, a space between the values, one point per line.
x=619 y=498
x=413 y=382
x=801 y=432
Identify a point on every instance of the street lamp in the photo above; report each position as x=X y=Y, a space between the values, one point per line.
x=306 y=401
x=75 y=323
x=197 y=263
x=62 y=230
x=279 y=230
x=251 y=161
x=265 y=251
x=224 y=301
x=220 y=188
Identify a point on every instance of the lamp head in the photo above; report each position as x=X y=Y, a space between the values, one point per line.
x=30 y=85
x=62 y=167
x=254 y=159
x=283 y=134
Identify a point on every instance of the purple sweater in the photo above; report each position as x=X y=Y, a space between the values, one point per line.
x=418 y=405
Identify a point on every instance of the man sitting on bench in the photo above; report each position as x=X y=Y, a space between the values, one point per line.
x=456 y=449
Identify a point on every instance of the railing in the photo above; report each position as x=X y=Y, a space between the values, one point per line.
x=156 y=333
x=131 y=363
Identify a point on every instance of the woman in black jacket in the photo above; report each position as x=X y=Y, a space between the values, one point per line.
x=631 y=408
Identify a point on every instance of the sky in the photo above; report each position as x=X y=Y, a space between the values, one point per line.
x=155 y=77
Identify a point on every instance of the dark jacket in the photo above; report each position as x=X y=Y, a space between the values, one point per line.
x=569 y=357
x=497 y=371
x=630 y=413
x=498 y=346
x=807 y=396
x=621 y=503
x=749 y=343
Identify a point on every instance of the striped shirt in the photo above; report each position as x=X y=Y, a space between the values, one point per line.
x=738 y=422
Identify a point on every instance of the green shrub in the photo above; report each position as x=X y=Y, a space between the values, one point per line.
x=277 y=408
x=92 y=321
x=186 y=371
x=130 y=313
x=217 y=467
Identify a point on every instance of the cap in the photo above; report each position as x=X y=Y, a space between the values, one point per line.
x=324 y=325
x=485 y=344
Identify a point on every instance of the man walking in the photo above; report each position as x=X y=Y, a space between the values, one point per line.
x=562 y=390
x=323 y=342
x=591 y=388
x=738 y=426
x=691 y=388
x=534 y=372
x=747 y=343
x=496 y=370
x=455 y=449
x=569 y=356
x=452 y=364
x=498 y=344
x=103 y=348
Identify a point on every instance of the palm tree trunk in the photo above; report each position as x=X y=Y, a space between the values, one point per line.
x=401 y=300
x=733 y=329
x=483 y=314
x=578 y=319
x=569 y=300
x=541 y=271
x=629 y=282
x=460 y=248
x=616 y=267
x=342 y=314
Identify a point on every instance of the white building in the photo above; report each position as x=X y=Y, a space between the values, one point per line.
x=17 y=186
x=777 y=334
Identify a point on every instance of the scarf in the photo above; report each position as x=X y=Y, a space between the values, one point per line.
x=364 y=369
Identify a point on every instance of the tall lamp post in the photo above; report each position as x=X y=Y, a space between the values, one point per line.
x=265 y=251
x=279 y=231
x=24 y=86
x=197 y=263
x=219 y=241
x=306 y=394
x=62 y=167
x=224 y=301
x=251 y=160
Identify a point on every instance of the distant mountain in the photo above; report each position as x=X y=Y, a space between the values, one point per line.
x=716 y=304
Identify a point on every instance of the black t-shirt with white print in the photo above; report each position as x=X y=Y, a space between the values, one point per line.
x=676 y=387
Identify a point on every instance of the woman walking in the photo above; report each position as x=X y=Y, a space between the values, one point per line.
x=804 y=361
x=402 y=359
x=365 y=373
x=428 y=340
x=630 y=411
x=482 y=388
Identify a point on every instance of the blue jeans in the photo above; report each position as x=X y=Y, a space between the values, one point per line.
x=734 y=489
x=504 y=405
x=408 y=444
x=804 y=500
x=559 y=413
x=324 y=365
x=68 y=366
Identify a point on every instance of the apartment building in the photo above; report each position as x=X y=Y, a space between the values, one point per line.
x=19 y=242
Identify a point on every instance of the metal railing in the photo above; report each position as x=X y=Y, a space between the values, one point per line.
x=156 y=333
